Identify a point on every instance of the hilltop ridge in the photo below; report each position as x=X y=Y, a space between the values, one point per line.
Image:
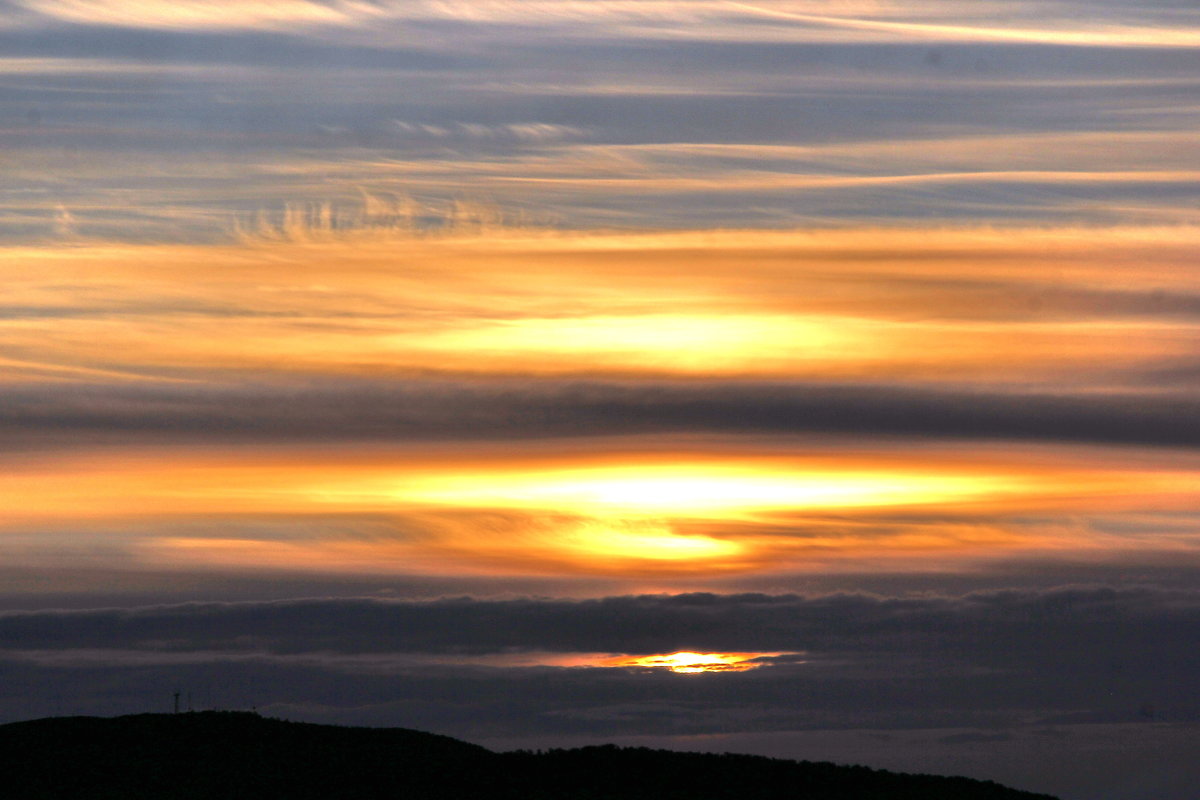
x=230 y=755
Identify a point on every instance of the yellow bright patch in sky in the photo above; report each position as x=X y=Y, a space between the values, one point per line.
x=647 y=541
x=1004 y=308
x=729 y=488
x=685 y=342
x=586 y=511
x=779 y=305
x=632 y=485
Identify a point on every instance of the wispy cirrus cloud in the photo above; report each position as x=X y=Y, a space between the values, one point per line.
x=794 y=20
x=517 y=132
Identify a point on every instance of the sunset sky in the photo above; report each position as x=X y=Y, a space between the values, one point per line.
x=814 y=378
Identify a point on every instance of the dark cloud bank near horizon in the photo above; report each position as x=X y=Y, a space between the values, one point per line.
x=1072 y=664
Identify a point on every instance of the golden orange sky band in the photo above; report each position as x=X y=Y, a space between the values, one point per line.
x=573 y=512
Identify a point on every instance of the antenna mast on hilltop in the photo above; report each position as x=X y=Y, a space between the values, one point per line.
x=176 y=696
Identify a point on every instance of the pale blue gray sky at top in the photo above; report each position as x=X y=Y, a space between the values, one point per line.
x=169 y=120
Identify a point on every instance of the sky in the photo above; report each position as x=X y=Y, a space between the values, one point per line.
x=458 y=365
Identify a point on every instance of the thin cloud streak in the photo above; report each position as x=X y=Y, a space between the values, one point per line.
x=666 y=19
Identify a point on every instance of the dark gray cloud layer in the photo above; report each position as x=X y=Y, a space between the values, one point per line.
x=977 y=670
x=1001 y=629
x=430 y=410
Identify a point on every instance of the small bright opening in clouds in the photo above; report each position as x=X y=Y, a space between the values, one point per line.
x=689 y=663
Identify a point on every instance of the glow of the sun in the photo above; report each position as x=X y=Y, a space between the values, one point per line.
x=688 y=342
x=706 y=489
x=646 y=541
x=690 y=663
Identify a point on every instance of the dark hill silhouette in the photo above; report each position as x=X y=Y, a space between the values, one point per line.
x=234 y=755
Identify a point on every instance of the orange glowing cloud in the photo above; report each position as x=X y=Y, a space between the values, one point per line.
x=622 y=512
x=305 y=301
x=786 y=305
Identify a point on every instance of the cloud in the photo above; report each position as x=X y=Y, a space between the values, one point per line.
x=975 y=738
x=477 y=293
x=997 y=662
x=205 y=14
x=512 y=132
x=220 y=101
x=796 y=21
x=1003 y=630
x=448 y=410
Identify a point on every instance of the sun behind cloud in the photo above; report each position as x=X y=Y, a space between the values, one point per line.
x=689 y=663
